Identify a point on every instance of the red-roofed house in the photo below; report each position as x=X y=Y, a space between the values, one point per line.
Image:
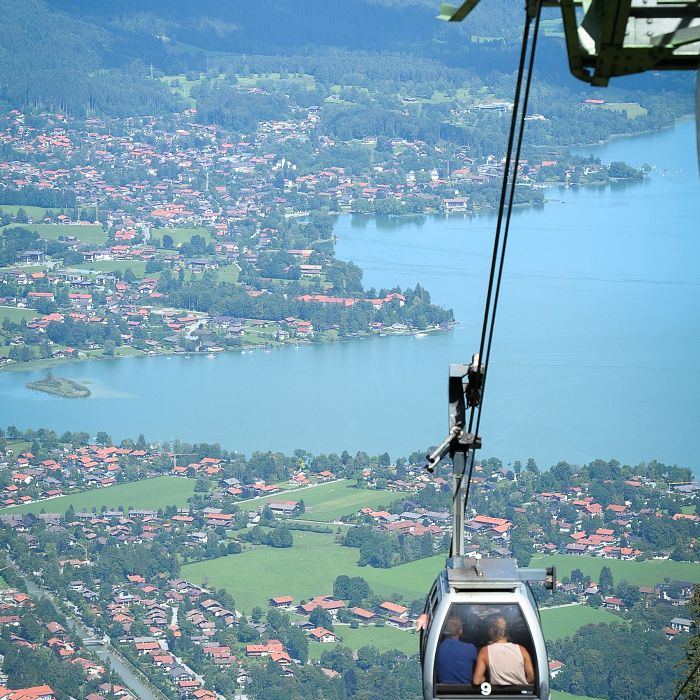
x=321 y=634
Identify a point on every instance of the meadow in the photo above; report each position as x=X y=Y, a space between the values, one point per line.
x=563 y=622
x=384 y=638
x=640 y=573
x=329 y=501
x=151 y=494
x=182 y=235
x=307 y=569
x=32 y=212
x=12 y=313
x=90 y=233
x=561 y=695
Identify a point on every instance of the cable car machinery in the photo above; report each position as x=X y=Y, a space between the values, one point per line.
x=604 y=39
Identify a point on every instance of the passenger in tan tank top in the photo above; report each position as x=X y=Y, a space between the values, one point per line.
x=506 y=663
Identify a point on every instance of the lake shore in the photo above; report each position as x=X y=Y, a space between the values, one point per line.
x=50 y=362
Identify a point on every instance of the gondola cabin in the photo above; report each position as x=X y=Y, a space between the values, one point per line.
x=483 y=636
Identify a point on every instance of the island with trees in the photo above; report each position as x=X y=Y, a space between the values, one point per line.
x=60 y=386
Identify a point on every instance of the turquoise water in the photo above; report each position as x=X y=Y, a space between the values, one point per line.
x=595 y=350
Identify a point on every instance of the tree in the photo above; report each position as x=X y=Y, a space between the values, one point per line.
x=168 y=241
x=522 y=546
x=692 y=648
x=103 y=438
x=281 y=536
x=298 y=644
x=368 y=657
x=321 y=618
x=606 y=584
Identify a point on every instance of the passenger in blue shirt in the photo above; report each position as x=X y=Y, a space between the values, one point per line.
x=455 y=658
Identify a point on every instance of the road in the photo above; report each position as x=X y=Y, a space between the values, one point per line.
x=131 y=676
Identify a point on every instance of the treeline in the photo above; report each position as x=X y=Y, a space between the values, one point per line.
x=225 y=299
x=381 y=549
x=373 y=676
x=600 y=661
x=38 y=197
x=227 y=106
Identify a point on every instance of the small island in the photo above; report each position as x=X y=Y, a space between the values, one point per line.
x=60 y=386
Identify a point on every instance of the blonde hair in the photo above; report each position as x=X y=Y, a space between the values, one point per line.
x=498 y=628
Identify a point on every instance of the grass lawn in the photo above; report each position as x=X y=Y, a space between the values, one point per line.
x=633 y=109
x=257 y=574
x=149 y=493
x=561 y=695
x=183 y=88
x=327 y=502
x=19 y=446
x=182 y=235
x=384 y=638
x=16 y=315
x=32 y=212
x=89 y=233
x=305 y=570
x=640 y=573
x=563 y=622
x=126 y=351
x=228 y=273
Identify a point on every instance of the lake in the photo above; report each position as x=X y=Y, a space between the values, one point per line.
x=595 y=350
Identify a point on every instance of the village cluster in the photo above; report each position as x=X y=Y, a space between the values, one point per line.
x=144 y=616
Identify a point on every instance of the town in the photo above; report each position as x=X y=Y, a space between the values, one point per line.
x=129 y=223
x=161 y=584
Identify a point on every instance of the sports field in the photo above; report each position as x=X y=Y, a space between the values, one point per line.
x=138 y=267
x=640 y=573
x=562 y=622
x=149 y=493
x=90 y=233
x=326 y=502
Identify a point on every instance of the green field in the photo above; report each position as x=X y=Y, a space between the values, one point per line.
x=305 y=570
x=633 y=109
x=150 y=493
x=182 y=235
x=384 y=638
x=16 y=315
x=327 y=502
x=32 y=212
x=563 y=622
x=19 y=446
x=640 y=573
x=561 y=695
x=88 y=234
x=228 y=273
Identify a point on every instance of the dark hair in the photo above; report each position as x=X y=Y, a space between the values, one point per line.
x=453 y=626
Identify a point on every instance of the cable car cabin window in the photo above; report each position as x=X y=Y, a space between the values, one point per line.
x=485 y=649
